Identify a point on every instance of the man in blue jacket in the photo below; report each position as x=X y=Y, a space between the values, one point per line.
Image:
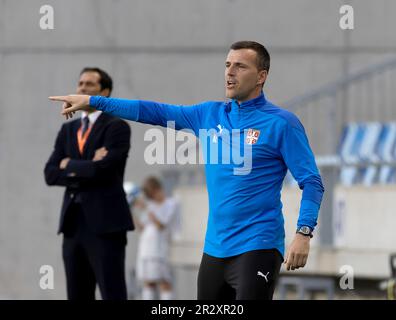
x=244 y=243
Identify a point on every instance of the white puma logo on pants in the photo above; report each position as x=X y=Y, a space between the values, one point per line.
x=259 y=273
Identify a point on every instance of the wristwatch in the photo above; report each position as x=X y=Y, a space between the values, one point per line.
x=305 y=231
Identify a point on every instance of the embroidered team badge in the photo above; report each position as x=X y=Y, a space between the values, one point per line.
x=252 y=136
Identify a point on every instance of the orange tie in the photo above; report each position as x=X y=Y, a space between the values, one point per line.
x=83 y=133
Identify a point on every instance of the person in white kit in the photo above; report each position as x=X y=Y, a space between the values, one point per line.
x=159 y=223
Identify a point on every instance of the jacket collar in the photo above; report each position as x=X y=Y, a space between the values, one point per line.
x=249 y=105
x=93 y=116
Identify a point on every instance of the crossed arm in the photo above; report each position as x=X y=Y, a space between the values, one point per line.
x=61 y=170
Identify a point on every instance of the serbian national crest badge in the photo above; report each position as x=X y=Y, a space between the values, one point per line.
x=252 y=136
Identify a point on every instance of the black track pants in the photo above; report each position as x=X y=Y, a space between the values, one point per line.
x=248 y=276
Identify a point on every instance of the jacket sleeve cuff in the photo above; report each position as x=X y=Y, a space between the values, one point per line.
x=80 y=169
x=308 y=216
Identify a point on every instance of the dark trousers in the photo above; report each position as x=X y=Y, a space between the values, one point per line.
x=91 y=259
x=249 y=276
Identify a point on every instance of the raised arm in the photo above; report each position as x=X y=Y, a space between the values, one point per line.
x=185 y=117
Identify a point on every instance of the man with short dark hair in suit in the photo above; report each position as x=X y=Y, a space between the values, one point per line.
x=89 y=159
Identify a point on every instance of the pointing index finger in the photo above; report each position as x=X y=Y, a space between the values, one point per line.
x=58 y=98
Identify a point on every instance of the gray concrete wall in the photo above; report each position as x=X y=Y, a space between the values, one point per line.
x=170 y=51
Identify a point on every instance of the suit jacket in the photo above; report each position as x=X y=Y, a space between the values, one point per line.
x=98 y=186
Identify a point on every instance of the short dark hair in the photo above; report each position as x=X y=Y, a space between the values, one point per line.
x=263 y=57
x=105 y=80
x=151 y=183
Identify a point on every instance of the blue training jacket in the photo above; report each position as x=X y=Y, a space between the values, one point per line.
x=245 y=208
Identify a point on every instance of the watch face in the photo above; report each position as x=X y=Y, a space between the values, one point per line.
x=305 y=230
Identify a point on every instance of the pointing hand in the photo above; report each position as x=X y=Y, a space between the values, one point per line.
x=72 y=103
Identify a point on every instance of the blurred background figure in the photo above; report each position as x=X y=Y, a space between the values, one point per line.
x=89 y=159
x=159 y=222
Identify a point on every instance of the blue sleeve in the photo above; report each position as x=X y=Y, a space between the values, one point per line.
x=184 y=117
x=300 y=160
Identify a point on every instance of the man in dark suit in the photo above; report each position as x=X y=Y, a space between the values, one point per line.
x=89 y=159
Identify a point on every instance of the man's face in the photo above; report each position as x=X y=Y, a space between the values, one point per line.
x=89 y=84
x=243 y=81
